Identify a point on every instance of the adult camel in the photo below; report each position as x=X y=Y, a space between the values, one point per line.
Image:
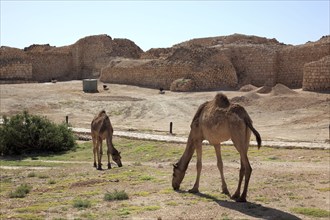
x=216 y=121
x=101 y=129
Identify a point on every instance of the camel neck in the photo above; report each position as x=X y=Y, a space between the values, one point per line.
x=187 y=154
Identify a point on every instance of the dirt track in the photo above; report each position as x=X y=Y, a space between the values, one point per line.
x=280 y=115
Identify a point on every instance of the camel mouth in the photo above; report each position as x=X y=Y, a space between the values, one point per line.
x=176 y=187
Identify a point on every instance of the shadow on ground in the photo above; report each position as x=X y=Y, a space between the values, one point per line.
x=251 y=209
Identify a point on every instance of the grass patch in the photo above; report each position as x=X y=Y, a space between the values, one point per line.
x=326 y=189
x=312 y=212
x=43 y=176
x=146 y=178
x=81 y=204
x=116 y=195
x=51 y=182
x=21 y=191
x=31 y=174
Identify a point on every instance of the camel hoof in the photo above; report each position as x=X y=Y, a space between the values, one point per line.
x=109 y=166
x=99 y=168
x=193 y=190
x=94 y=164
x=226 y=192
x=235 y=197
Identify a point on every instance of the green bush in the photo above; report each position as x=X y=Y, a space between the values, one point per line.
x=21 y=191
x=26 y=134
x=116 y=195
x=81 y=204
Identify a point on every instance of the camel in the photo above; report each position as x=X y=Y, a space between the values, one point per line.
x=101 y=129
x=216 y=121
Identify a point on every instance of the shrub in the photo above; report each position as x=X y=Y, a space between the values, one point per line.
x=25 y=134
x=21 y=191
x=116 y=195
x=81 y=204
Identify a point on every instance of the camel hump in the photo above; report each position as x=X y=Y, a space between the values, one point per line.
x=221 y=100
x=102 y=113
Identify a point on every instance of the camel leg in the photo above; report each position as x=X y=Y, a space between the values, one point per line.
x=247 y=174
x=199 y=168
x=99 y=154
x=109 y=145
x=220 y=167
x=94 y=149
x=238 y=190
x=108 y=153
x=240 y=136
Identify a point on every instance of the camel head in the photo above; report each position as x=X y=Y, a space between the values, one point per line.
x=178 y=176
x=117 y=158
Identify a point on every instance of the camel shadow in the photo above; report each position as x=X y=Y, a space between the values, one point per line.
x=251 y=209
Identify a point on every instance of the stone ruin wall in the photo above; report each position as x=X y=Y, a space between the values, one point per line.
x=154 y=73
x=317 y=75
x=16 y=72
x=291 y=61
x=254 y=64
x=90 y=54
x=84 y=59
x=249 y=62
x=13 y=66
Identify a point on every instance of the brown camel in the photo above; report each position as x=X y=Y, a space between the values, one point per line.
x=218 y=120
x=101 y=129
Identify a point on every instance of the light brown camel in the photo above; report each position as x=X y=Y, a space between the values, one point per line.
x=101 y=129
x=218 y=120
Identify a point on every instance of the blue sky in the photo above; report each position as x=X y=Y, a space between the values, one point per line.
x=154 y=24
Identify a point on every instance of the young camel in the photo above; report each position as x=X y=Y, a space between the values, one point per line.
x=218 y=120
x=101 y=129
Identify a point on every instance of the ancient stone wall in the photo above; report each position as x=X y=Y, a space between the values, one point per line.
x=48 y=66
x=254 y=64
x=291 y=61
x=317 y=75
x=84 y=59
x=92 y=53
x=16 y=71
x=212 y=73
x=210 y=63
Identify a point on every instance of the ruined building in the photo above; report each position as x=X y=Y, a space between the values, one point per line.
x=226 y=62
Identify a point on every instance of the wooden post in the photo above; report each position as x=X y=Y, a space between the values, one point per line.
x=67 y=119
x=171 y=127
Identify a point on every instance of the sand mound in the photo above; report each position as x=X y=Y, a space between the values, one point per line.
x=252 y=95
x=240 y=99
x=247 y=88
x=264 y=90
x=280 y=89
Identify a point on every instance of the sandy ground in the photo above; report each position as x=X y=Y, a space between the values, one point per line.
x=280 y=115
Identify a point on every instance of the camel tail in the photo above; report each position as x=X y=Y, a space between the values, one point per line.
x=255 y=132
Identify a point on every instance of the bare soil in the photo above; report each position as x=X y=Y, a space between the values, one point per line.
x=281 y=114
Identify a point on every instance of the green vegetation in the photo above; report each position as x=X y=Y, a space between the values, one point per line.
x=116 y=195
x=27 y=134
x=81 y=203
x=21 y=191
x=312 y=212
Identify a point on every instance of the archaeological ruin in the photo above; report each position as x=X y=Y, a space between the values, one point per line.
x=226 y=62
